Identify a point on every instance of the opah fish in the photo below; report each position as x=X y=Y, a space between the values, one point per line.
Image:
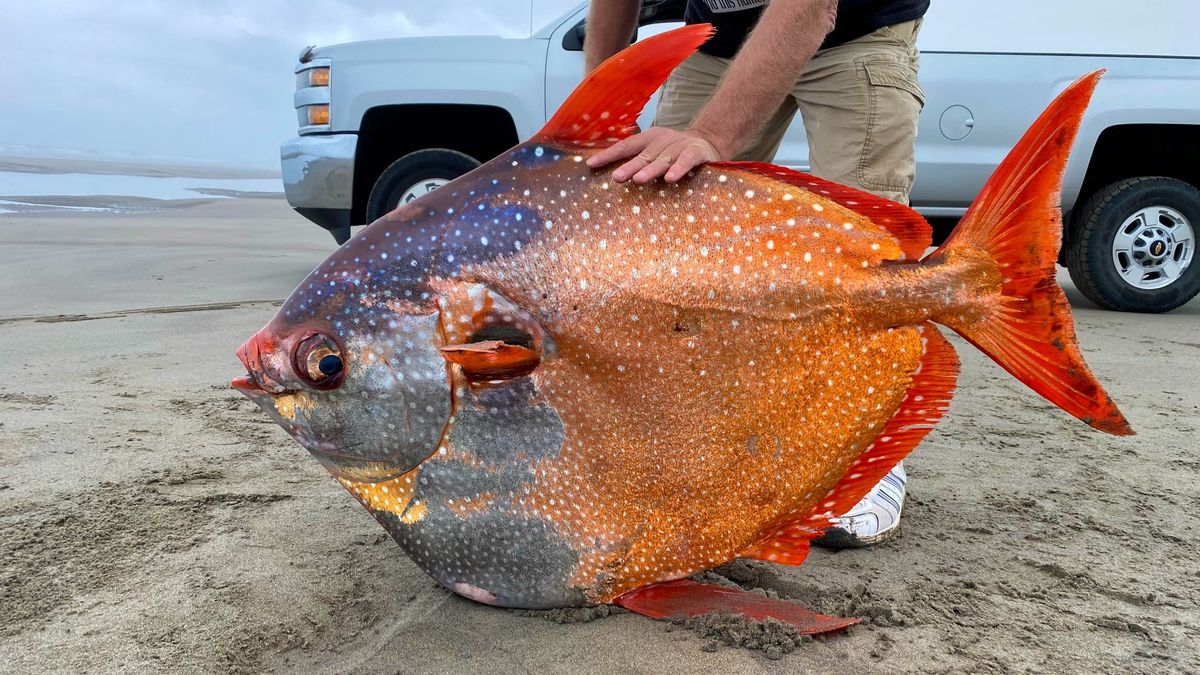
x=553 y=389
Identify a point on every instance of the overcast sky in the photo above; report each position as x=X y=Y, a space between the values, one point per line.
x=212 y=79
x=198 y=79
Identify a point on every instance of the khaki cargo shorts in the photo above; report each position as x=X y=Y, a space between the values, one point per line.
x=859 y=102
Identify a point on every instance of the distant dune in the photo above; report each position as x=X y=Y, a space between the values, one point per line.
x=31 y=184
x=126 y=167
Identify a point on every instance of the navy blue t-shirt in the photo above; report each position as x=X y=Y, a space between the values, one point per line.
x=734 y=19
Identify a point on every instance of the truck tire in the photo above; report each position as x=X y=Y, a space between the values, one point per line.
x=413 y=175
x=1133 y=245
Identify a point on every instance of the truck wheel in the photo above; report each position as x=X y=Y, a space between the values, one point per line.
x=1133 y=245
x=413 y=175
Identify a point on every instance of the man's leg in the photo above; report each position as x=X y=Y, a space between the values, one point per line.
x=689 y=88
x=860 y=103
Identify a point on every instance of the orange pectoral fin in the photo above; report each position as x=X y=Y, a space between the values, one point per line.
x=684 y=597
x=491 y=360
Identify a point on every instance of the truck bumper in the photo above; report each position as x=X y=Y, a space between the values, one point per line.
x=318 y=177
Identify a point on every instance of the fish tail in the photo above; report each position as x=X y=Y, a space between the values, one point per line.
x=1014 y=229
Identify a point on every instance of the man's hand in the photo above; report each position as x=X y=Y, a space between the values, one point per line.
x=657 y=152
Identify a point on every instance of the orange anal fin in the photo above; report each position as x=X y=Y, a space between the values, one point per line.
x=491 y=359
x=787 y=545
x=906 y=225
x=924 y=404
x=687 y=598
x=604 y=108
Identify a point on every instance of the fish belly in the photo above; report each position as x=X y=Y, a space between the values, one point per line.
x=683 y=468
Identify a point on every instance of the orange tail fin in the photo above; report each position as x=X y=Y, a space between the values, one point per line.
x=1016 y=221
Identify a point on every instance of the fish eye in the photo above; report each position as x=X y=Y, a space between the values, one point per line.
x=318 y=361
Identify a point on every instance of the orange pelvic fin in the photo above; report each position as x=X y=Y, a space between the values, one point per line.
x=684 y=597
x=926 y=401
x=604 y=108
x=1016 y=221
x=902 y=222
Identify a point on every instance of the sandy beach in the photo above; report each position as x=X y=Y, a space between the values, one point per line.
x=152 y=519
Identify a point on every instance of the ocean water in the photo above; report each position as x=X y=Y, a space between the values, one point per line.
x=30 y=186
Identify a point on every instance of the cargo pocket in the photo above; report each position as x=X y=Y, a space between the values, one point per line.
x=895 y=100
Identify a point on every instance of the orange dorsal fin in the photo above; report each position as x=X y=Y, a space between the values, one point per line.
x=926 y=401
x=604 y=108
x=1015 y=222
x=902 y=222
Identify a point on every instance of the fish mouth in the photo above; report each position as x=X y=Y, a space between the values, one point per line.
x=247 y=383
x=256 y=380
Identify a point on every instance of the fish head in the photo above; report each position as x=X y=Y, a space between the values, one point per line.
x=351 y=365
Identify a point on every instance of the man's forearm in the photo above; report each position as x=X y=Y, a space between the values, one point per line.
x=610 y=24
x=764 y=71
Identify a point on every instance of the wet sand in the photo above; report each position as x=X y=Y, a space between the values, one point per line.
x=152 y=519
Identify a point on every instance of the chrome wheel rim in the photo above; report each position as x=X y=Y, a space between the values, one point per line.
x=422 y=188
x=1153 y=247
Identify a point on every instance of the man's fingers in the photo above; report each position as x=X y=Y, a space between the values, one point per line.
x=627 y=147
x=656 y=153
x=629 y=169
x=647 y=158
x=691 y=157
x=655 y=168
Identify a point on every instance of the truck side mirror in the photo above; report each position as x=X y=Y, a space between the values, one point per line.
x=573 y=39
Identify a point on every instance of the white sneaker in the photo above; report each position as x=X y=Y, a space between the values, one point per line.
x=872 y=520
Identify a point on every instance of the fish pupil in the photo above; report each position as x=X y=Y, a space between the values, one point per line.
x=330 y=364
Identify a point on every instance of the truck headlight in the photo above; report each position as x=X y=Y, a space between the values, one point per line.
x=313 y=77
x=318 y=77
x=313 y=94
x=318 y=114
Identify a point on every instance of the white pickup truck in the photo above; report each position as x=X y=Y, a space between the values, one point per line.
x=385 y=121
